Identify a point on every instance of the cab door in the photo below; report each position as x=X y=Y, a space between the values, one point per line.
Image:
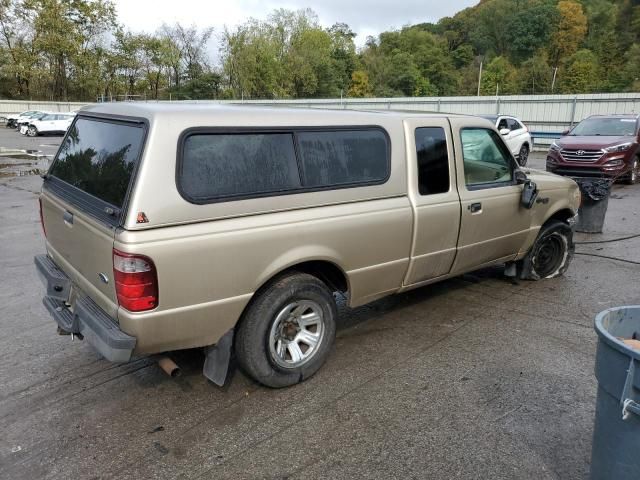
x=493 y=225
x=432 y=190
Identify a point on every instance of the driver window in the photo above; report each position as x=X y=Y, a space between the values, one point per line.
x=503 y=124
x=487 y=163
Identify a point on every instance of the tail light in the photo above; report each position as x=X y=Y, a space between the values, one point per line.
x=136 y=281
x=44 y=230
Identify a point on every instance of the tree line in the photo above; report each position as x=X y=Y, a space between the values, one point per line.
x=78 y=50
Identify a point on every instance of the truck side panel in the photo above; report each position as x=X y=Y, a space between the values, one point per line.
x=208 y=272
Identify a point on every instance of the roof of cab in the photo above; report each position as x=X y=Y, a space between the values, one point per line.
x=161 y=109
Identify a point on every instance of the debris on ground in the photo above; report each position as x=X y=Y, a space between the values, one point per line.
x=595 y=188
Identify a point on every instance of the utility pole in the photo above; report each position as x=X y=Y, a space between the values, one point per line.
x=553 y=81
x=479 y=78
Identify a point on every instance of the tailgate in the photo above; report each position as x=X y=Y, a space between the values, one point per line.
x=82 y=247
x=83 y=201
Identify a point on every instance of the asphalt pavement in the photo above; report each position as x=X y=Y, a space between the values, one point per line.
x=474 y=377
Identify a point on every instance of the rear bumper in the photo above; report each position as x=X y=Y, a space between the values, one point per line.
x=86 y=318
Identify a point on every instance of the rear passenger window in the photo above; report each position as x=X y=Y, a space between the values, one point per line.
x=225 y=165
x=433 y=160
x=217 y=166
x=342 y=157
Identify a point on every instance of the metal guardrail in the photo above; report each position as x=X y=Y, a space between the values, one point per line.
x=549 y=135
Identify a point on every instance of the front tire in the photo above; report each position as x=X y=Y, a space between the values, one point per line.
x=32 y=131
x=551 y=253
x=634 y=174
x=523 y=155
x=286 y=333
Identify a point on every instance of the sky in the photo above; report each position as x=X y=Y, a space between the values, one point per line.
x=365 y=17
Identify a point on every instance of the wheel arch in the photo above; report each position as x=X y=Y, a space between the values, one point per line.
x=562 y=215
x=325 y=269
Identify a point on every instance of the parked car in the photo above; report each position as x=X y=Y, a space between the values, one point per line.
x=12 y=120
x=515 y=134
x=600 y=145
x=172 y=226
x=48 y=124
x=24 y=121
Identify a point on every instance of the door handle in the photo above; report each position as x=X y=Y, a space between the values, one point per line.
x=475 y=207
x=67 y=217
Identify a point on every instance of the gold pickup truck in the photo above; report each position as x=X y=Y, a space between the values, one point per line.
x=172 y=226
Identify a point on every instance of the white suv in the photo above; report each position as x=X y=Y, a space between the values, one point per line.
x=515 y=135
x=51 y=123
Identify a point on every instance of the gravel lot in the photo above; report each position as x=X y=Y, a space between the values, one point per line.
x=471 y=378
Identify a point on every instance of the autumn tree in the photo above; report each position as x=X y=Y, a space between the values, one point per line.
x=570 y=31
x=360 y=86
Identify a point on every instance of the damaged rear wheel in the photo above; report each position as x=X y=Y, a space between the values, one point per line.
x=551 y=253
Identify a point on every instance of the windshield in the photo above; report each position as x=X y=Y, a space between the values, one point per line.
x=612 y=127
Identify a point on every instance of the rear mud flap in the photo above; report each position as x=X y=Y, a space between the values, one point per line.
x=216 y=363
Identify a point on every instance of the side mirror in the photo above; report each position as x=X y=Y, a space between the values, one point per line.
x=529 y=194
x=505 y=131
x=566 y=132
x=520 y=177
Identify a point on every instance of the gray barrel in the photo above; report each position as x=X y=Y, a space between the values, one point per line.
x=616 y=435
x=595 y=200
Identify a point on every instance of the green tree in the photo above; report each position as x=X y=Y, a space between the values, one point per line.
x=499 y=77
x=529 y=29
x=535 y=75
x=343 y=54
x=581 y=74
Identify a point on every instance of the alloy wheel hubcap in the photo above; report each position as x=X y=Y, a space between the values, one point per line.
x=296 y=334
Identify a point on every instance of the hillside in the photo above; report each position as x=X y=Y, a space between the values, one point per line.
x=77 y=50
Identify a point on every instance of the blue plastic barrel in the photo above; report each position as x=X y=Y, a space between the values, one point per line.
x=616 y=436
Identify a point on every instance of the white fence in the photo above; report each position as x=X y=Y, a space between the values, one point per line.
x=541 y=113
x=17 y=106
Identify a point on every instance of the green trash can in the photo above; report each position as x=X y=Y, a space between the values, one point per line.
x=616 y=436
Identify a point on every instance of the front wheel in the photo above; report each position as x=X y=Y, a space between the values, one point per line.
x=634 y=174
x=551 y=253
x=286 y=334
x=32 y=131
x=523 y=155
